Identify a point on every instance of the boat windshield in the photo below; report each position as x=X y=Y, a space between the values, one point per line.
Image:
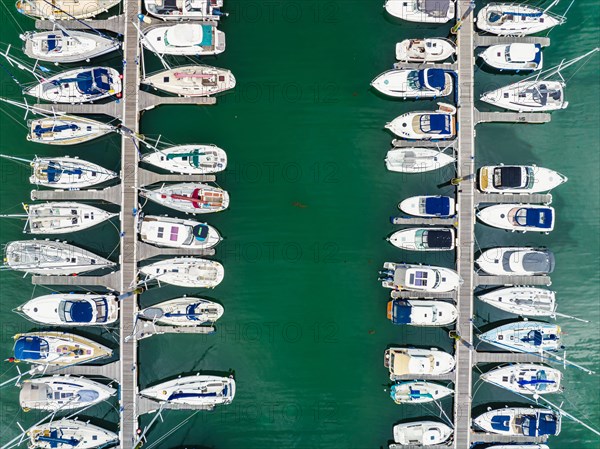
x=101 y=309
x=520 y=217
x=413 y=80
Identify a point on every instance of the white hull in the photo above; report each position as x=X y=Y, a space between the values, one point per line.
x=425 y=125
x=422 y=433
x=189 y=159
x=418 y=239
x=85 y=434
x=419 y=392
x=416 y=160
x=194 y=390
x=514 y=57
x=423 y=206
x=57 y=348
x=167 y=232
x=185 y=311
x=419 y=278
x=77 y=46
x=82 y=85
x=65 y=9
x=192 y=81
x=518 y=217
x=52 y=258
x=522 y=179
x=183 y=10
x=421 y=11
x=414 y=361
x=525 y=378
x=66 y=130
x=62 y=393
x=525 y=336
x=514 y=19
x=516 y=261
x=192 y=198
x=529 y=96
x=186 y=272
x=63 y=217
x=424 y=50
x=426 y=313
x=527 y=301
x=515 y=421
x=72 y=309
x=185 y=39
x=405 y=83
x=68 y=173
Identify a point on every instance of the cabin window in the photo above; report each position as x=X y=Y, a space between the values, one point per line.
x=165 y=79
x=160 y=232
x=94 y=173
x=174 y=233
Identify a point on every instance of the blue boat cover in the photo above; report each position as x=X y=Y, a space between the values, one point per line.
x=435 y=123
x=207 y=36
x=545 y=425
x=536 y=338
x=55 y=439
x=200 y=232
x=91 y=82
x=39 y=130
x=538 y=54
x=437 y=205
x=31 y=348
x=52 y=40
x=80 y=311
x=539 y=218
x=181 y=395
x=495 y=17
x=55 y=169
x=401 y=312
x=439 y=238
x=501 y=422
x=435 y=78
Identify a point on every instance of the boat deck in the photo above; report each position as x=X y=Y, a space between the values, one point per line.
x=145 y=405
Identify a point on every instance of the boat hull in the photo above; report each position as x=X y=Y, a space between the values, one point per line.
x=182 y=159
x=62 y=217
x=186 y=272
x=54 y=309
x=525 y=378
x=532 y=179
x=506 y=216
x=65 y=9
x=416 y=160
x=514 y=19
x=418 y=392
x=406 y=11
x=78 y=46
x=177 y=312
x=192 y=81
x=208 y=391
x=85 y=434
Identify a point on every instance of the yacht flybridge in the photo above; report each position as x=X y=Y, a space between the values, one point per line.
x=184 y=311
x=516 y=19
x=192 y=80
x=424 y=11
x=170 y=232
x=62 y=217
x=67 y=46
x=185 y=9
x=514 y=57
x=418 y=278
x=70 y=433
x=192 y=198
x=188 y=159
x=518 y=179
x=426 y=125
x=46 y=257
x=186 y=39
x=425 y=50
x=190 y=272
x=64 y=9
x=194 y=390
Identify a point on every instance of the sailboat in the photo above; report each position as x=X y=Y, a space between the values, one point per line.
x=538 y=93
x=190 y=272
x=416 y=361
x=527 y=301
x=184 y=311
x=423 y=11
x=516 y=421
x=185 y=9
x=525 y=378
x=525 y=336
x=67 y=46
x=518 y=179
x=194 y=390
x=192 y=80
x=62 y=392
x=422 y=433
x=170 y=232
x=189 y=159
x=186 y=39
x=418 y=392
x=71 y=309
x=67 y=173
x=57 y=348
x=425 y=50
x=192 y=198
x=70 y=433
x=516 y=19
x=416 y=160
x=418 y=278
x=411 y=83
x=426 y=125
x=46 y=257
x=64 y=9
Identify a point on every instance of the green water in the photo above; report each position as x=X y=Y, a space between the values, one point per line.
x=304 y=326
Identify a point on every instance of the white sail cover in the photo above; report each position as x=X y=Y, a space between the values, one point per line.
x=184 y=35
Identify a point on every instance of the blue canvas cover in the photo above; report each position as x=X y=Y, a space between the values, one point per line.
x=200 y=232
x=545 y=424
x=437 y=205
x=88 y=395
x=55 y=169
x=438 y=123
x=501 y=422
x=207 y=37
x=31 y=348
x=401 y=312
x=538 y=53
x=539 y=218
x=39 y=130
x=435 y=78
x=181 y=395
x=55 y=439
x=52 y=40
x=80 y=311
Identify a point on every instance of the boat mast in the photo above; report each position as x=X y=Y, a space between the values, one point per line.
x=563 y=65
x=64 y=30
x=142 y=37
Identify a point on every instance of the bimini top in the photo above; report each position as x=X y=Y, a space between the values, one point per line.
x=436 y=238
x=532 y=261
x=185 y=35
x=524 y=53
x=435 y=123
x=91 y=82
x=401 y=313
x=437 y=205
x=434 y=79
x=31 y=348
x=39 y=130
x=539 y=217
x=435 y=8
x=76 y=311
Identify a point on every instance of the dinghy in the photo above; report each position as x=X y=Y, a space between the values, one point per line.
x=514 y=56
x=518 y=179
x=185 y=9
x=516 y=19
x=527 y=301
x=186 y=39
x=57 y=349
x=518 y=217
x=529 y=96
x=426 y=125
x=416 y=160
x=185 y=311
x=64 y=9
x=525 y=336
x=418 y=278
x=516 y=261
x=167 y=232
x=414 y=361
x=186 y=272
x=192 y=81
x=409 y=83
x=70 y=433
x=416 y=312
x=189 y=159
x=82 y=85
x=67 y=46
x=71 y=309
x=69 y=173
x=64 y=217
x=66 y=130
x=192 y=198
x=425 y=50
x=46 y=257
x=194 y=390
x=429 y=206
x=423 y=11
x=62 y=393
x=525 y=378
x=424 y=239
x=520 y=421
x=422 y=433
x=418 y=392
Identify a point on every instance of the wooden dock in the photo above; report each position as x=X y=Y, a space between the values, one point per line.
x=441 y=144
x=107 y=195
x=524 y=198
x=448 y=377
x=110 y=281
x=146 y=251
x=148 y=100
x=512 y=117
x=403 y=294
x=506 y=357
x=109 y=370
x=424 y=221
x=112 y=109
x=146 y=178
x=489 y=39
x=426 y=65
x=146 y=405
x=484 y=279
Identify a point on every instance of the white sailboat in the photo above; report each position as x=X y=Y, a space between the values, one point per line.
x=515 y=57
x=518 y=217
x=422 y=433
x=67 y=46
x=410 y=83
x=70 y=433
x=192 y=80
x=424 y=239
x=418 y=392
x=516 y=261
x=423 y=11
x=516 y=19
x=185 y=9
x=428 y=206
x=184 y=311
x=186 y=272
x=418 y=278
x=71 y=309
x=192 y=198
x=527 y=301
x=47 y=257
x=416 y=160
x=518 y=179
x=520 y=421
x=170 y=232
x=415 y=361
x=62 y=393
x=425 y=50
x=66 y=172
x=426 y=125
x=525 y=378
x=525 y=336
x=64 y=9
x=194 y=390
x=426 y=313
x=188 y=159
x=186 y=39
